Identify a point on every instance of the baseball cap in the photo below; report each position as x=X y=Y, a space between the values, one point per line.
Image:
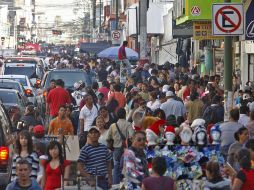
x=165 y=88
x=169 y=93
x=38 y=130
x=94 y=127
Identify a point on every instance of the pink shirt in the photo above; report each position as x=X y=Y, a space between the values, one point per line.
x=104 y=91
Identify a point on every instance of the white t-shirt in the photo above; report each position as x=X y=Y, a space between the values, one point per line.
x=154 y=105
x=88 y=116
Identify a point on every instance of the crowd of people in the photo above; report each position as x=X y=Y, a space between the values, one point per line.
x=146 y=133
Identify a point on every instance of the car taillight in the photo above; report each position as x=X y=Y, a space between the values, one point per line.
x=4 y=153
x=38 y=82
x=28 y=92
x=45 y=94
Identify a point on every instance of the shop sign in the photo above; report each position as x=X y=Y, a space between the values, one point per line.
x=203 y=8
x=249 y=34
x=202 y=30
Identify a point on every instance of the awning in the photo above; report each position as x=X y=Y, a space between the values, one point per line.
x=93 y=47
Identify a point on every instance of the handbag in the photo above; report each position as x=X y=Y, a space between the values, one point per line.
x=112 y=105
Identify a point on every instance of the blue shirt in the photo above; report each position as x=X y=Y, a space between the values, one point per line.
x=15 y=186
x=95 y=159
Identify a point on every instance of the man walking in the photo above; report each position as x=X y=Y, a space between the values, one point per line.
x=57 y=97
x=95 y=161
x=122 y=56
x=61 y=124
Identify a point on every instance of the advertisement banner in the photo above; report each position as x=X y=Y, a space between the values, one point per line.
x=202 y=9
x=202 y=30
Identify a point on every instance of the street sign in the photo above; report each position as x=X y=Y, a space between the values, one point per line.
x=228 y=19
x=249 y=31
x=202 y=30
x=116 y=37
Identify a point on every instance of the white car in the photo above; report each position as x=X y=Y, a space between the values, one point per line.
x=26 y=83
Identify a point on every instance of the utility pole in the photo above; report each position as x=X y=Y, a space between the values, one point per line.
x=143 y=28
x=117 y=16
x=100 y=17
x=228 y=70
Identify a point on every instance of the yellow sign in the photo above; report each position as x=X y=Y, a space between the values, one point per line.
x=202 y=30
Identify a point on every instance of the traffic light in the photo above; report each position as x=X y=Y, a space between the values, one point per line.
x=56 y=32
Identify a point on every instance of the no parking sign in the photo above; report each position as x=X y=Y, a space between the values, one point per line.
x=228 y=19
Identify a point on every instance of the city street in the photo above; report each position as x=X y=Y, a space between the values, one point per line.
x=126 y=94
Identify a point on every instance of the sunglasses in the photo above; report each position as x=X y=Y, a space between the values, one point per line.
x=141 y=139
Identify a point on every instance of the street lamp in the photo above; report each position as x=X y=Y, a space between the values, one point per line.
x=137 y=27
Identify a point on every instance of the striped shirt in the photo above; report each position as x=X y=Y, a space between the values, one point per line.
x=95 y=158
x=32 y=159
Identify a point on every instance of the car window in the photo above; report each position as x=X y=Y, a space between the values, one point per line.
x=8 y=97
x=10 y=85
x=6 y=124
x=22 y=81
x=28 y=71
x=69 y=78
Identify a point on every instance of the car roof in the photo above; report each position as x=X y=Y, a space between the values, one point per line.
x=9 y=90
x=65 y=70
x=13 y=76
x=23 y=58
x=3 y=80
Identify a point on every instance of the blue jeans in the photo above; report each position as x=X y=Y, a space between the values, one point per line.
x=103 y=183
x=116 y=171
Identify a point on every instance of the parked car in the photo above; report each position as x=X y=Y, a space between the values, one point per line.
x=26 y=83
x=11 y=84
x=6 y=148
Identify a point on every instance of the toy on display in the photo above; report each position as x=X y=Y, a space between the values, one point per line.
x=216 y=134
x=153 y=132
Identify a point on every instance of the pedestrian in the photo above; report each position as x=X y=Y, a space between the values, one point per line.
x=29 y=117
x=136 y=152
x=94 y=161
x=102 y=73
x=154 y=103
x=100 y=124
x=23 y=180
x=194 y=107
x=122 y=56
x=244 y=178
x=55 y=167
x=157 y=180
x=24 y=150
x=86 y=117
x=118 y=96
x=214 y=179
x=244 y=117
x=228 y=130
x=172 y=106
x=56 y=98
x=241 y=137
x=109 y=118
x=89 y=75
x=52 y=85
x=61 y=124
x=126 y=130
x=104 y=89
x=250 y=125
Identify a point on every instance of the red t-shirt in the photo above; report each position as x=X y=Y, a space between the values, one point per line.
x=121 y=53
x=104 y=91
x=53 y=176
x=56 y=98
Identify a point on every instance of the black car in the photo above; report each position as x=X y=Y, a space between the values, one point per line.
x=6 y=148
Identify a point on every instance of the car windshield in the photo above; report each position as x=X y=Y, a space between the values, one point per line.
x=69 y=78
x=28 y=71
x=8 y=97
x=10 y=85
x=20 y=80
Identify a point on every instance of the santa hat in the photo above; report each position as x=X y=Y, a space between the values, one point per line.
x=170 y=129
x=197 y=122
x=155 y=127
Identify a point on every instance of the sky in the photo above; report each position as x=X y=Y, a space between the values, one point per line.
x=52 y=8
